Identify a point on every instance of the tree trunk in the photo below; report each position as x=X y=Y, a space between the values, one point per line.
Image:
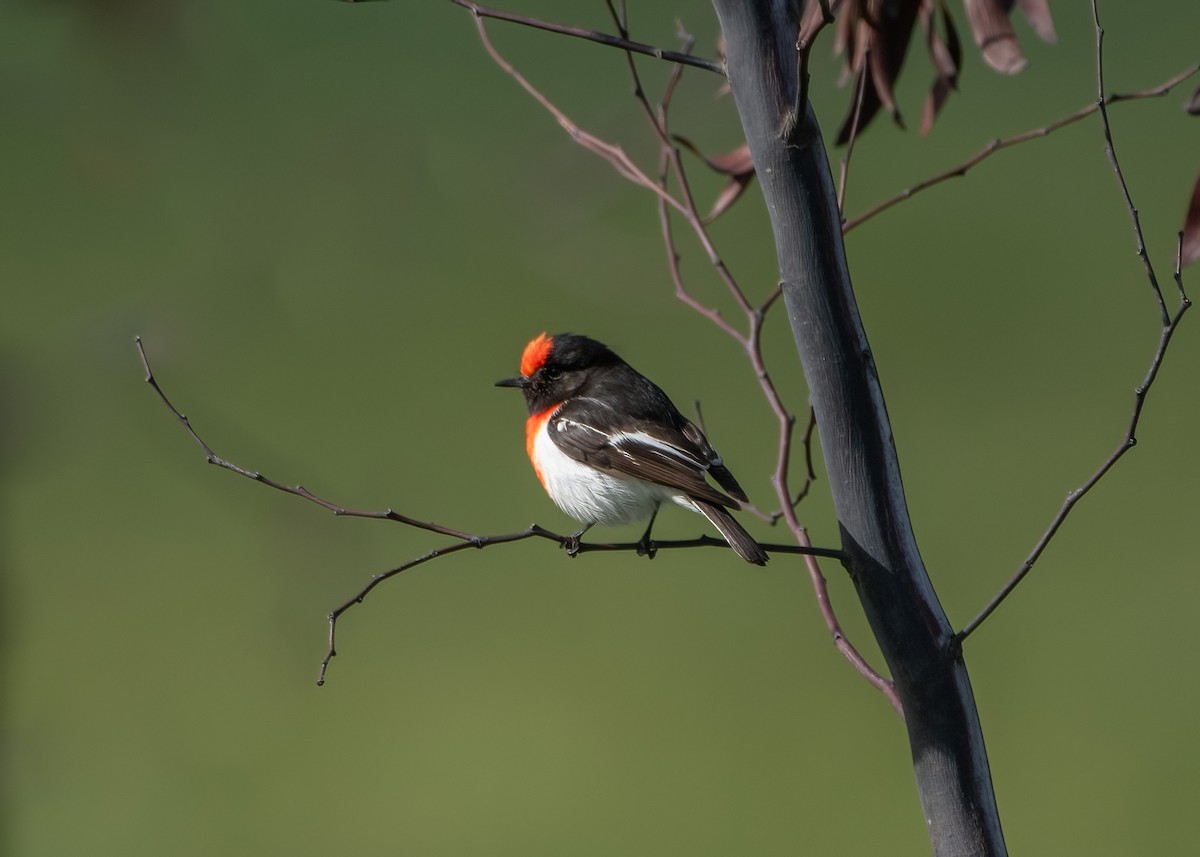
x=916 y=638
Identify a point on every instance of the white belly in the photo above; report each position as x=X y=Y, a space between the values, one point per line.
x=593 y=497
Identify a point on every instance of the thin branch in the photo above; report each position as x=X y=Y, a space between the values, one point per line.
x=1007 y=142
x=593 y=36
x=670 y=156
x=1127 y=443
x=810 y=473
x=787 y=422
x=673 y=261
x=531 y=532
x=1170 y=323
x=1183 y=298
x=1110 y=150
x=297 y=490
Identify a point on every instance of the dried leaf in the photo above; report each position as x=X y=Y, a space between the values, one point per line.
x=885 y=28
x=945 y=55
x=728 y=196
x=875 y=35
x=737 y=164
x=994 y=35
x=1190 y=249
x=947 y=60
x=734 y=162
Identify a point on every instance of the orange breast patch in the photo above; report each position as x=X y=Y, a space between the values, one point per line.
x=533 y=425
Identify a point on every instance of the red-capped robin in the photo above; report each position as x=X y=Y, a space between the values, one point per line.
x=609 y=447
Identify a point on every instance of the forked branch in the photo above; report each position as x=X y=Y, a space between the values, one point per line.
x=671 y=164
x=1170 y=323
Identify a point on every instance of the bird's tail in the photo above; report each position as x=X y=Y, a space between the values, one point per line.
x=740 y=540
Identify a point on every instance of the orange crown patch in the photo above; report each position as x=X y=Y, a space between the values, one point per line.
x=536 y=353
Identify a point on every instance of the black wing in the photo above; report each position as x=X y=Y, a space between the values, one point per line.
x=589 y=431
x=715 y=465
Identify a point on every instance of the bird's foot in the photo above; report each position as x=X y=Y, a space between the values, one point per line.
x=645 y=547
x=572 y=544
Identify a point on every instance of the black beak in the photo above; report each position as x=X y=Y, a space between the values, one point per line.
x=513 y=382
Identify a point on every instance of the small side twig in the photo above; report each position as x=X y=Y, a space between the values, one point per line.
x=1111 y=151
x=859 y=94
x=752 y=345
x=810 y=472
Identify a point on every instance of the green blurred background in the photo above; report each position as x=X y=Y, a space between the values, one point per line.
x=334 y=227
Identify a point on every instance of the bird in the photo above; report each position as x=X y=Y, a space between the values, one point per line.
x=610 y=447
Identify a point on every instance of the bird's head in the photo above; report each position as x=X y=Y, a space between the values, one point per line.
x=555 y=368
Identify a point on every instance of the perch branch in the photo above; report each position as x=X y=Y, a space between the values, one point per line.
x=466 y=540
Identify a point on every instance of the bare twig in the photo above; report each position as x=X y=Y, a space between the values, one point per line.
x=1170 y=323
x=593 y=36
x=859 y=94
x=1111 y=152
x=1128 y=441
x=1007 y=142
x=810 y=472
x=804 y=46
x=297 y=490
